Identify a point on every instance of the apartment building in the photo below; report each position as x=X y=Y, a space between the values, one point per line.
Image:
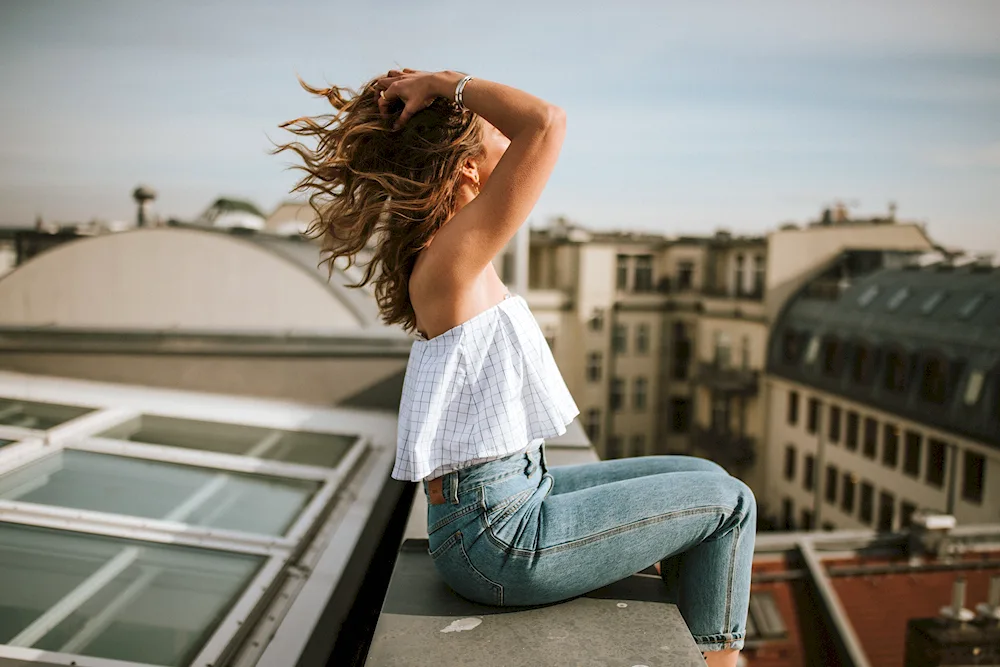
x=663 y=340
x=884 y=398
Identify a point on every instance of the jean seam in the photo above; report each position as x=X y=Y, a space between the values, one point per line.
x=507 y=507
x=515 y=551
x=441 y=523
x=457 y=540
x=499 y=478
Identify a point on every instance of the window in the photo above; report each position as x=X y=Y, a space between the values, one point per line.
x=970 y=307
x=809 y=473
x=974 y=387
x=592 y=424
x=807 y=519
x=833 y=428
x=911 y=454
x=934 y=383
x=643 y=273
x=868 y=296
x=890 y=445
x=758 y=275
x=638 y=444
x=153 y=490
x=886 y=509
x=685 y=275
x=831 y=485
x=790 y=462
x=895 y=371
x=829 y=526
x=812 y=350
x=617 y=396
x=720 y=413
x=851 y=436
x=871 y=438
x=596 y=322
x=723 y=351
x=850 y=483
x=935 y=462
x=619 y=339
x=680 y=411
x=639 y=393
x=682 y=352
x=745 y=352
x=832 y=357
x=642 y=338
x=932 y=302
x=812 y=425
x=862 y=365
x=793 y=407
x=791 y=347
x=40 y=416
x=621 y=272
x=906 y=512
x=867 y=511
x=788 y=513
x=594 y=367
x=614 y=448
x=117 y=599
x=738 y=275
x=318 y=449
x=972 y=477
x=897 y=299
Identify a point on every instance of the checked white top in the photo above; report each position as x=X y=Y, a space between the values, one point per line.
x=482 y=390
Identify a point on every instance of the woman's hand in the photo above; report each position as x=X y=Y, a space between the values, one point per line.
x=416 y=89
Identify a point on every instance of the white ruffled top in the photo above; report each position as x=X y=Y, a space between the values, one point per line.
x=482 y=390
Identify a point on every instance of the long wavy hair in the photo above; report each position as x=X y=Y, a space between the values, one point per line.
x=371 y=186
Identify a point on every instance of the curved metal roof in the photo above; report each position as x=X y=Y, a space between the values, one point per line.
x=945 y=313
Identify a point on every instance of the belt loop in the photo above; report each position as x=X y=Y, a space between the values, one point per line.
x=451 y=487
x=545 y=466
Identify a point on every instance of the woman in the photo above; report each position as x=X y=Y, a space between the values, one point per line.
x=436 y=172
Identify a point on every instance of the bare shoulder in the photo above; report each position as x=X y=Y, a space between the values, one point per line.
x=443 y=299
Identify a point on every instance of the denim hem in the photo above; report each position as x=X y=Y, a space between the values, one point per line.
x=729 y=640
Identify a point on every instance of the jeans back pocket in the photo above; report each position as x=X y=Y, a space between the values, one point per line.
x=452 y=562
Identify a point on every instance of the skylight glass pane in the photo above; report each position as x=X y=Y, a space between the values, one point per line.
x=932 y=302
x=897 y=299
x=317 y=449
x=868 y=296
x=974 y=387
x=40 y=416
x=112 y=598
x=156 y=490
x=812 y=350
x=971 y=306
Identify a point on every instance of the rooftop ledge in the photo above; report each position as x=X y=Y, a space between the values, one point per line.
x=423 y=622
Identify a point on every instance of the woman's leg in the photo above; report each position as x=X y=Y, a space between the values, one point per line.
x=585 y=475
x=567 y=544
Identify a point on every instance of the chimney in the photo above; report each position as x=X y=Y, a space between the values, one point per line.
x=929 y=533
x=989 y=611
x=143 y=195
x=957 y=611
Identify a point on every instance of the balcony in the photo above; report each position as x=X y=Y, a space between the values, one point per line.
x=728 y=379
x=729 y=450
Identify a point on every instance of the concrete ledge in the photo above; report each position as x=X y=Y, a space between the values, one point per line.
x=424 y=623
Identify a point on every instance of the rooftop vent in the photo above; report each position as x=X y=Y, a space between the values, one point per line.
x=929 y=534
x=957 y=611
x=989 y=611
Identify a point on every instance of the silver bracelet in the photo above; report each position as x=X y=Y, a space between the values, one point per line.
x=459 y=90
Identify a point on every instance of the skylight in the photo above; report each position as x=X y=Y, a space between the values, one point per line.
x=868 y=296
x=932 y=302
x=970 y=307
x=897 y=299
x=150 y=539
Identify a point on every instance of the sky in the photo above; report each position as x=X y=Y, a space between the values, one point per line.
x=683 y=117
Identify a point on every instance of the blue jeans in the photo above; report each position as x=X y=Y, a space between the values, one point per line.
x=512 y=532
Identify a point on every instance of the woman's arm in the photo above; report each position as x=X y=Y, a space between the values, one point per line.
x=535 y=128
